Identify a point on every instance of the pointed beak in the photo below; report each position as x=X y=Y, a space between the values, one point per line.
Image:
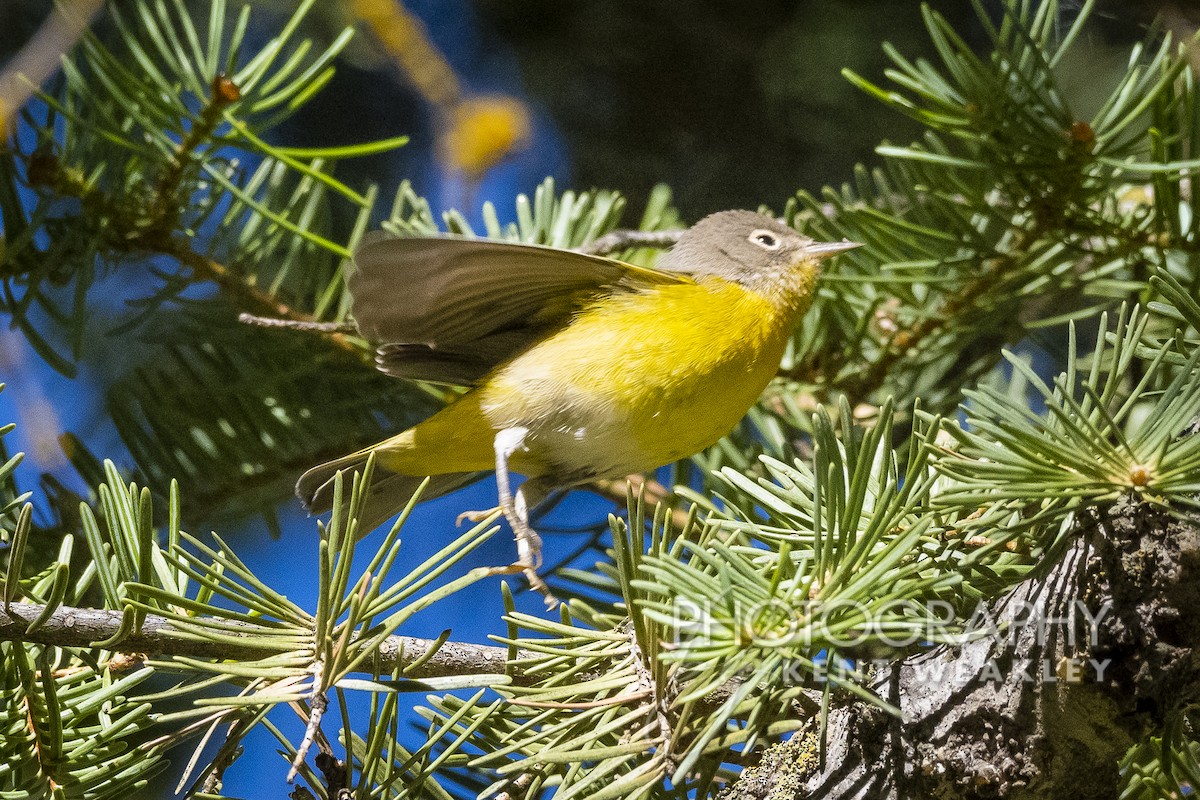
x=827 y=249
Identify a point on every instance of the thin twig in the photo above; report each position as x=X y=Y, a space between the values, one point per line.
x=166 y=208
x=317 y=710
x=615 y=241
x=229 y=753
x=298 y=324
x=662 y=701
x=248 y=296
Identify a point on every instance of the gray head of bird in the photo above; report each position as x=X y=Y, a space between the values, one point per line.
x=753 y=249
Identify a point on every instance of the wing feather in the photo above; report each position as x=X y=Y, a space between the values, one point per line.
x=449 y=309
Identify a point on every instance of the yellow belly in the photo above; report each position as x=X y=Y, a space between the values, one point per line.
x=634 y=382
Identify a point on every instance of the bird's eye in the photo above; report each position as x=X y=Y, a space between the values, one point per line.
x=765 y=239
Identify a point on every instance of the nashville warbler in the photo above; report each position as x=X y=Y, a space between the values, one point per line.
x=582 y=367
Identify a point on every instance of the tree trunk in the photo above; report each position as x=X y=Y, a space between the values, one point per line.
x=1102 y=652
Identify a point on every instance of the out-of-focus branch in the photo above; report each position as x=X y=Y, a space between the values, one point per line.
x=42 y=54
x=1183 y=21
x=655 y=493
x=476 y=132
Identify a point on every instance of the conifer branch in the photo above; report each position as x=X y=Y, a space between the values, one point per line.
x=82 y=627
x=127 y=231
x=415 y=657
x=297 y=325
x=166 y=206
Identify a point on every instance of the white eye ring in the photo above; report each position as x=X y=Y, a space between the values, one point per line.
x=765 y=239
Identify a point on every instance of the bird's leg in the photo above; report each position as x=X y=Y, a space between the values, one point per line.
x=527 y=498
x=516 y=511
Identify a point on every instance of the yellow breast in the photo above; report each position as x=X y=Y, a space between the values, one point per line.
x=635 y=381
x=641 y=379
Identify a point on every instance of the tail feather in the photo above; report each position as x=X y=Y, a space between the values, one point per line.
x=388 y=493
x=315 y=487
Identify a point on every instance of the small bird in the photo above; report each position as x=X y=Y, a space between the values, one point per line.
x=581 y=367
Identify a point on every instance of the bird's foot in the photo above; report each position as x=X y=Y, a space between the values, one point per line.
x=529 y=552
x=529 y=559
x=475 y=516
x=531 y=575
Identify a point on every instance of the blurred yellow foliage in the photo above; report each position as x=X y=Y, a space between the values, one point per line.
x=482 y=131
x=476 y=133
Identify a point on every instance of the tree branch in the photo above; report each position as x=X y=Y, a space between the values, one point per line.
x=42 y=55
x=80 y=627
x=618 y=491
x=1045 y=708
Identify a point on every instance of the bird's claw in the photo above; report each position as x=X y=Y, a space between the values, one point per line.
x=529 y=559
x=474 y=516
x=531 y=575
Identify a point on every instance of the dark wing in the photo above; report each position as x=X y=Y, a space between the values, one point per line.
x=448 y=309
x=458 y=365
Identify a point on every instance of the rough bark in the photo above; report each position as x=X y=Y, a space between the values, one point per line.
x=1011 y=720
